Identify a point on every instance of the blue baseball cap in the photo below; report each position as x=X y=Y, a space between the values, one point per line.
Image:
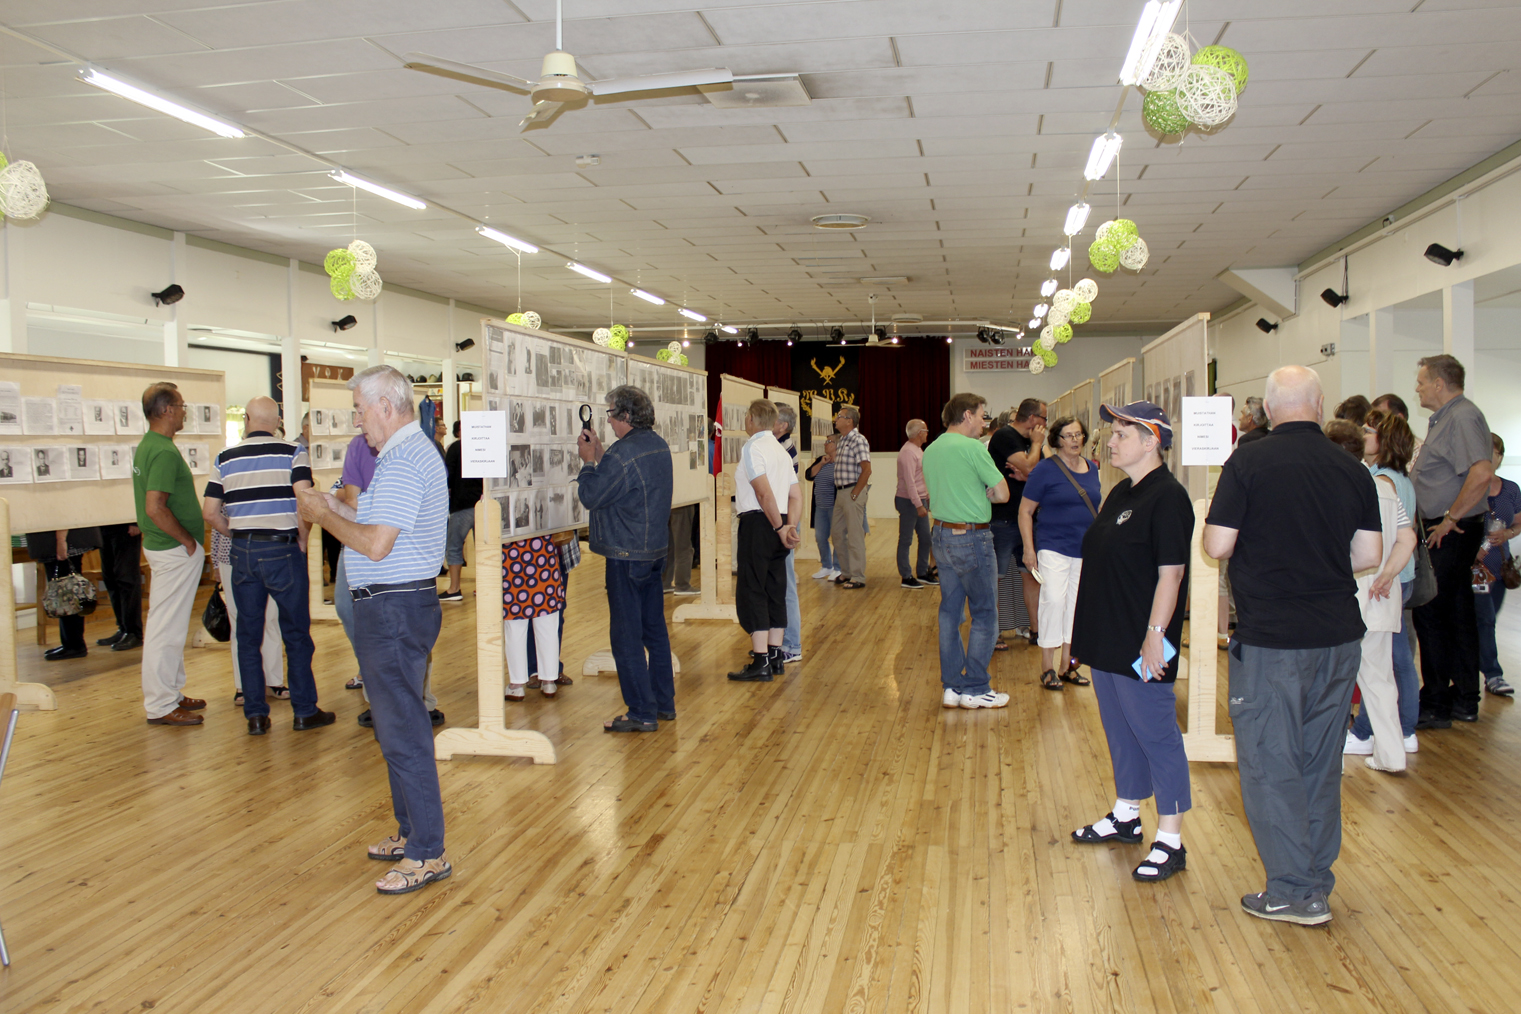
x=1141 y=413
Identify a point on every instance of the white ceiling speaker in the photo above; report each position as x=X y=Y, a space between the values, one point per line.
x=559 y=82
x=839 y=221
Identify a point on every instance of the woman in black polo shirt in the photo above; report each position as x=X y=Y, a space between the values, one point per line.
x=1128 y=625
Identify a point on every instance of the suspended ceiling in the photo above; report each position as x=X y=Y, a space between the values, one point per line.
x=959 y=126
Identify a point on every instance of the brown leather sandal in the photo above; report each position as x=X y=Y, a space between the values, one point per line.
x=1075 y=677
x=1050 y=680
x=389 y=850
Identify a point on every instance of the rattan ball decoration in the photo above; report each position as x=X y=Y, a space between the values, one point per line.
x=1081 y=313
x=1172 y=63
x=1044 y=342
x=364 y=255
x=1048 y=356
x=337 y=260
x=1118 y=232
x=1048 y=332
x=1037 y=365
x=366 y=284
x=1135 y=256
x=1063 y=335
x=1057 y=317
x=1160 y=112
x=339 y=285
x=616 y=342
x=683 y=359
x=1103 y=257
x=620 y=333
x=675 y=348
x=1086 y=290
x=664 y=355
x=601 y=336
x=1207 y=96
x=531 y=319
x=1064 y=300
x=22 y=193
x=515 y=318
x=1225 y=58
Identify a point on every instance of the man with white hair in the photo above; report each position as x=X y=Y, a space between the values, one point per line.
x=912 y=501
x=1253 y=421
x=394 y=546
x=1297 y=517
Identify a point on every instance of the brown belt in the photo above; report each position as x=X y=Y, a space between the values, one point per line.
x=958 y=527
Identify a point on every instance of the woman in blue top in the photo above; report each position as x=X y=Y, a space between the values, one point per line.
x=1501 y=527
x=821 y=472
x=1065 y=489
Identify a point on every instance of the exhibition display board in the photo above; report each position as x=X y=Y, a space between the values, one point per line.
x=734 y=397
x=1174 y=367
x=1116 y=386
x=782 y=396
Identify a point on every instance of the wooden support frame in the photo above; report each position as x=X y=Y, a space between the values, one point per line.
x=320 y=608
x=491 y=737
x=715 y=560
x=30 y=696
x=1201 y=742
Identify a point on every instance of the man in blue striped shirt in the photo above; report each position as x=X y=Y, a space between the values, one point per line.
x=255 y=481
x=394 y=548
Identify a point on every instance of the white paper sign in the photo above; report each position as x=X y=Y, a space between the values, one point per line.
x=1206 y=431
x=483 y=447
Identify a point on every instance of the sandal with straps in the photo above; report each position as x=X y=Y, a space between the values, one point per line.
x=1177 y=859
x=1126 y=831
x=388 y=850
x=1076 y=678
x=413 y=875
x=1050 y=680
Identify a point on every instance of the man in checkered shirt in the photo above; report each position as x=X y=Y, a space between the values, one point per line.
x=852 y=476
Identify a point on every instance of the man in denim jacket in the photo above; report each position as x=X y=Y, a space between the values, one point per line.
x=627 y=490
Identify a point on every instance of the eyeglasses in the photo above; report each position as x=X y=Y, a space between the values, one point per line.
x=1370 y=431
x=1072 y=436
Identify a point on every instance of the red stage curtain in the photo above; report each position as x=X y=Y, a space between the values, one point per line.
x=768 y=363
x=911 y=382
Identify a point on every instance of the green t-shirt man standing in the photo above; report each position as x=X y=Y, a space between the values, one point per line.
x=159 y=468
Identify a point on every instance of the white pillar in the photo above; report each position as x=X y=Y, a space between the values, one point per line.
x=176 y=344
x=1381 y=351
x=13 y=306
x=451 y=386
x=1458 y=322
x=290 y=357
x=376 y=355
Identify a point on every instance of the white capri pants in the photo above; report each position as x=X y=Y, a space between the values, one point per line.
x=546 y=639
x=1058 y=596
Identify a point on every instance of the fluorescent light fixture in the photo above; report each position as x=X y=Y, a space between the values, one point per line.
x=726 y=329
x=582 y=269
x=691 y=315
x=1101 y=156
x=1157 y=19
x=506 y=240
x=1048 y=287
x=406 y=200
x=1040 y=310
x=1034 y=323
x=647 y=297
x=143 y=97
x=1077 y=217
x=1059 y=257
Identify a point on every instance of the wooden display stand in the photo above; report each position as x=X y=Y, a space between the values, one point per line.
x=1201 y=742
x=491 y=737
x=715 y=559
x=31 y=696
x=320 y=608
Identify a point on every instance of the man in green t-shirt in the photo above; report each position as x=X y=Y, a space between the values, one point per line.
x=169 y=515
x=963 y=485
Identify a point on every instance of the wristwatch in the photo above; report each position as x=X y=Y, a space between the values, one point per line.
x=1160 y=630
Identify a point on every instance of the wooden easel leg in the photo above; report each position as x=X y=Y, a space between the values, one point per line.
x=29 y=696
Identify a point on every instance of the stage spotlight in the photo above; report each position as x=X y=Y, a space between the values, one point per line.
x=794 y=335
x=1333 y=297
x=1436 y=253
x=344 y=323
x=754 y=334
x=1266 y=326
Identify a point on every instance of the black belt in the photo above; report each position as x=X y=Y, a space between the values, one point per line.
x=848 y=485
x=287 y=537
x=369 y=591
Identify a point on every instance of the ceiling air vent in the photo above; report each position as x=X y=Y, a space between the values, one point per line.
x=759 y=91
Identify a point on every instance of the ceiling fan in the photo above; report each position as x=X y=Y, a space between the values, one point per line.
x=559 y=83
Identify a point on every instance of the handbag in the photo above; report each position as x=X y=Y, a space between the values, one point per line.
x=215 y=618
x=1510 y=574
x=1423 y=587
x=1075 y=484
x=69 y=595
x=1481 y=578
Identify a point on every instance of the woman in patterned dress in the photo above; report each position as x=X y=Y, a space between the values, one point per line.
x=532 y=592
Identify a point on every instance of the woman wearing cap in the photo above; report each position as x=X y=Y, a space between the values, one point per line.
x=1129 y=618
x=1065 y=487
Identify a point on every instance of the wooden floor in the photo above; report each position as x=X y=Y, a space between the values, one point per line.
x=830 y=842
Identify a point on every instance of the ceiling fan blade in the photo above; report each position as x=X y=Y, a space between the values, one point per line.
x=465 y=72
x=658 y=82
x=542 y=113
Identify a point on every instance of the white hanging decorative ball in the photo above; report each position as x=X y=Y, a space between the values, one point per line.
x=1086 y=290
x=1058 y=317
x=1048 y=332
x=1135 y=255
x=675 y=348
x=365 y=284
x=364 y=255
x=1044 y=342
x=22 y=192
x=1173 y=61
x=1065 y=299
x=1207 y=95
x=531 y=319
x=602 y=336
x=1037 y=365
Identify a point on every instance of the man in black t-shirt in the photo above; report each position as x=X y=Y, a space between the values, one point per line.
x=464 y=494
x=1297 y=516
x=1016 y=448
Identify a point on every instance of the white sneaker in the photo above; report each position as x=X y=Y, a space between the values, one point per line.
x=1360 y=747
x=1411 y=746
x=991 y=699
x=548 y=689
x=822 y=573
x=516 y=691
x=789 y=657
x=688 y=591
x=834 y=573
x=950 y=699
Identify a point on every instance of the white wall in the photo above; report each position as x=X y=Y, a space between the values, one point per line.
x=1079 y=360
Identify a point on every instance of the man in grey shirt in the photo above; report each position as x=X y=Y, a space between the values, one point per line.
x=1451 y=477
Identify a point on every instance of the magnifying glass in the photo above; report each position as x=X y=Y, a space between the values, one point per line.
x=586 y=418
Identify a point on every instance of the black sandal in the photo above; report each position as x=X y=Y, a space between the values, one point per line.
x=1126 y=831
x=1000 y=645
x=623 y=723
x=1050 y=680
x=1076 y=678
x=1177 y=859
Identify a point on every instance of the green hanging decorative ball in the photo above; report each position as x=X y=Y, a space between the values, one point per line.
x=339 y=260
x=620 y=334
x=683 y=358
x=1047 y=356
x=515 y=318
x=339 y=284
x=1103 y=257
x=1062 y=334
x=1118 y=233
x=664 y=355
x=1161 y=113
x=1228 y=60
x=617 y=343
x=1080 y=313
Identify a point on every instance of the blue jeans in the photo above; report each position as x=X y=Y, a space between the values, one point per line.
x=1006 y=545
x=1406 y=680
x=822 y=517
x=792 y=637
x=1488 y=608
x=273 y=570
x=636 y=621
x=396 y=630
x=909 y=523
x=968 y=580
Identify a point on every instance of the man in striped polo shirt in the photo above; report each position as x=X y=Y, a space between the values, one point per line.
x=256 y=481
x=394 y=548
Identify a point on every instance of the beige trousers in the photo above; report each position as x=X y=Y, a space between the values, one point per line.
x=1375 y=678
x=849 y=533
x=176 y=575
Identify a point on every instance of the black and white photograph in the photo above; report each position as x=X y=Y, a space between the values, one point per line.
x=557 y=460
x=575 y=508
x=115 y=461
x=538 y=463
x=572 y=463
x=520 y=465
x=522 y=512
x=15 y=465
x=540 y=509
x=319 y=422
x=50 y=464
x=559 y=507
x=517 y=416
x=335 y=453
x=209 y=419
x=538 y=418
x=553 y=412
x=83 y=463
x=319 y=455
